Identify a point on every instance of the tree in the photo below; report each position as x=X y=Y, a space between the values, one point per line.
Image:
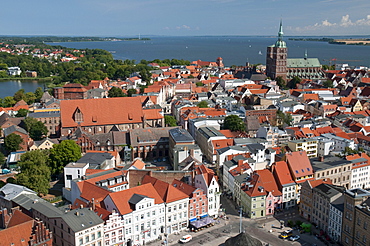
x=203 y=104
x=12 y=142
x=199 y=84
x=8 y=102
x=169 y=120
x=281 y=82
x=2 y=159
x=116 y=92
x=35 y=128
x=234 y=123
x=62 y=154
x=19 y=95
x=22 y=113
x=328 y=83
x=131 y=92
x=34 y=171
x=284 y=118
x=293 y=82
x=38 y=93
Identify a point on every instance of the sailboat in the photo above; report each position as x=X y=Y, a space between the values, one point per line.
x=260 y=53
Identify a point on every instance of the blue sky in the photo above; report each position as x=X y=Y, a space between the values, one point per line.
x=184 y=17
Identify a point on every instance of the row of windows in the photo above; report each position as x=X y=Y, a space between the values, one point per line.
x=89 y=238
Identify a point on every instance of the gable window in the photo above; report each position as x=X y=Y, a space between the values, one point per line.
x=78 y=116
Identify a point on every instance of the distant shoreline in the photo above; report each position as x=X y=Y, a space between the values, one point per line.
x=347 y=41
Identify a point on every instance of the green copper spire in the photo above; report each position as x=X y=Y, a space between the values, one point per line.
x=281 y=33
x=280 y=43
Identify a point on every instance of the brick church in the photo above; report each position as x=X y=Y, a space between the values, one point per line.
x=279 y=65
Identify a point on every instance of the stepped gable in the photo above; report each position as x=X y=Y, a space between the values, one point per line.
x=121 y=198
x=102 y=111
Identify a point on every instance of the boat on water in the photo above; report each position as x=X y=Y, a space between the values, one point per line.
x=260 y=53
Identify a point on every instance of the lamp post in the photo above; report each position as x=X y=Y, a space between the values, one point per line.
x=241 y=222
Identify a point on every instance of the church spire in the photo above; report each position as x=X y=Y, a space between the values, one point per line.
x=280 y=43
x=281 y=33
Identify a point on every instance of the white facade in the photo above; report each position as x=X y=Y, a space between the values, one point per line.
x=213 y=193
x=324 y=146
x=143 y=224
x=13 y=71
x=340 y=143
x=113 y=230
x=335 y=223
x=91 y=236
x=177 y=216
x=74 y=171
x=289 y=195
x=360 y=177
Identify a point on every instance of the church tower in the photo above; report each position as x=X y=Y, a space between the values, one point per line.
x=276 y=58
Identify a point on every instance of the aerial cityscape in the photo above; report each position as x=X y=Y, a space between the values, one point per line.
x=133 y=124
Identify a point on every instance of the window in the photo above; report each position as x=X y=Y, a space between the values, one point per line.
x=81 y=241
x=99 y=234
x=87 y=239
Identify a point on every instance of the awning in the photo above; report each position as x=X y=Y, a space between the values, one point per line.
x=202 y=222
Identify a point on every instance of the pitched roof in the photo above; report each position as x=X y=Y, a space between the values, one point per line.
x=262 y=182
x=121 y=198
x=282 y=173
x=167 y=192
x=102 y=111
x=300 y=165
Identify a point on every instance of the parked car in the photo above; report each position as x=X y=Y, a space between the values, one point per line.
x=286 y=234
x=294 y=238
x=186 y=238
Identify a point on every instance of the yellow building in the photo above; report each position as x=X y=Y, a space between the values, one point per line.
x=308 y=145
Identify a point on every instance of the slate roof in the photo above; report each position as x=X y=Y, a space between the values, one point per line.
x=14 y=128
x=81 y=219
x=181 y=135
x=136 y=198
x=95 y=158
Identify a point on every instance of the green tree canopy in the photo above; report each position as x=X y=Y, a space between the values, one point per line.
x=284 y=118
x=62 y=154
x=22 y=113
x=131 y=92
x=199 y=84
x=293 y=82
x=328 y=83
x=34 y=171
x=281 y=82
x=35 y=128
x=234 y=123
x=13 y=142
x=169 y=120
x=116 y=92
x=203 y=104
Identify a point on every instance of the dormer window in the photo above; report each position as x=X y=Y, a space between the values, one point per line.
x=78 y=116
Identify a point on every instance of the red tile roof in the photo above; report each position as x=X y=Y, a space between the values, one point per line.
x=299 y=164
x=167 y=192
x=102 y=111
x=121 y=198
x=263 y=182
x=282 y=172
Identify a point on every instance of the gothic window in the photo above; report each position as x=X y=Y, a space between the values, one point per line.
x=78 y=116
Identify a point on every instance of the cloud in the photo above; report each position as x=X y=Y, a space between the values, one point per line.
x=345 y=22
x=183 y=27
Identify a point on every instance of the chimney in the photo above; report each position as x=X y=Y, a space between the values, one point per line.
x=93 y=203
x=321 y=158
x=81 y=206
x=240 y=162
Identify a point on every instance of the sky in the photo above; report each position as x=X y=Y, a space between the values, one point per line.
x=130 y=18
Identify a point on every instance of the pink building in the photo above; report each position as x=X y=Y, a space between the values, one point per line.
x=198 y=202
